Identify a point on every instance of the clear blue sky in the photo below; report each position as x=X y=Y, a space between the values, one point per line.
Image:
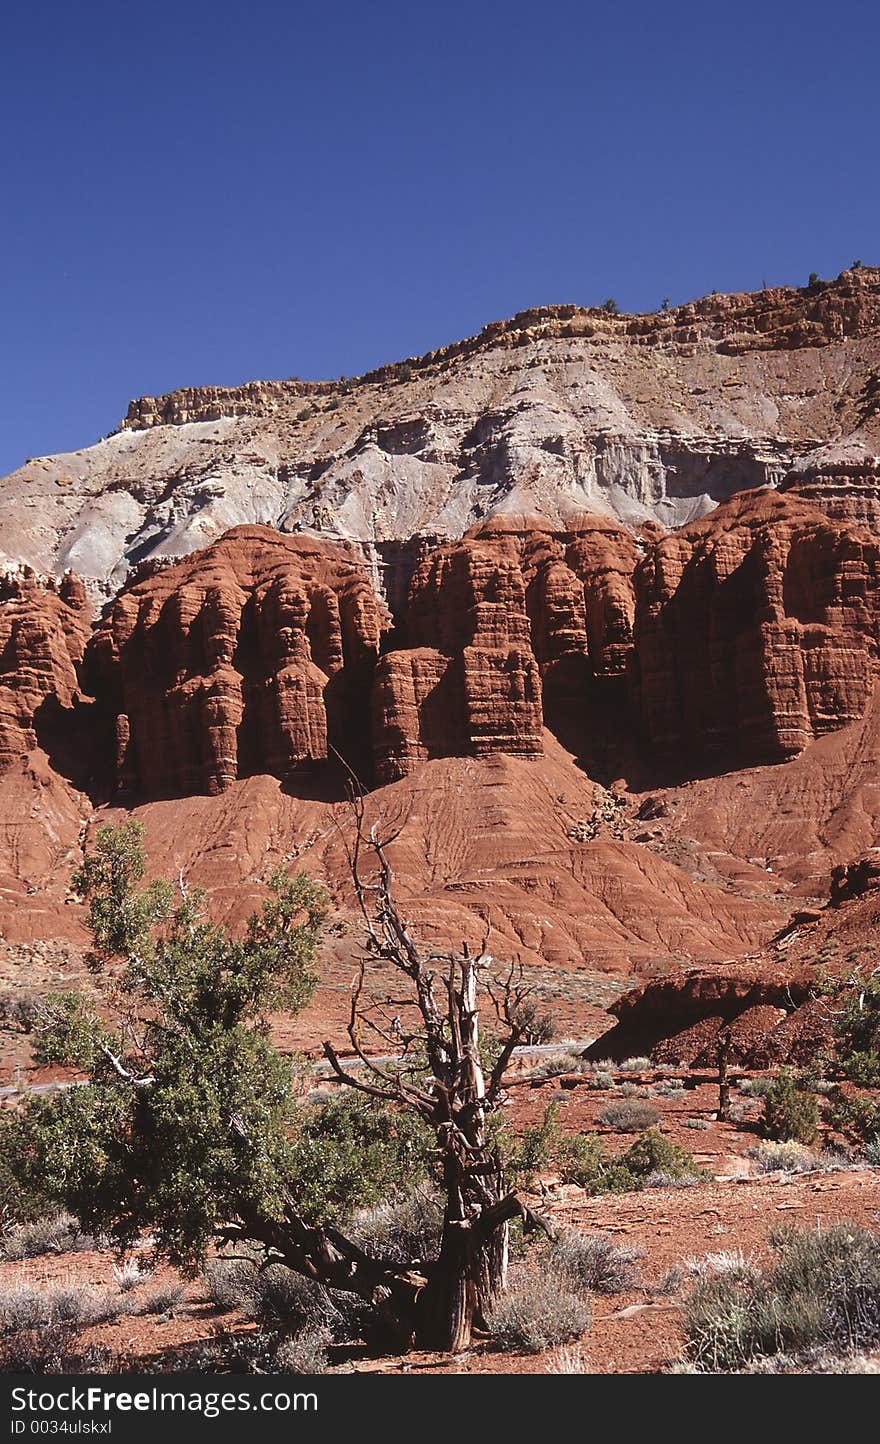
x=201 y=192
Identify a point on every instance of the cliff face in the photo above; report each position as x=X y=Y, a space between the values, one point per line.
x=733 y=641
x=554 y=413
x=44 y=626
x=244 y=659
x=504 y=628
x=756 y=631
x=780 y=318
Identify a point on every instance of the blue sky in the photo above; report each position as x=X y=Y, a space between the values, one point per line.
x=200 y=192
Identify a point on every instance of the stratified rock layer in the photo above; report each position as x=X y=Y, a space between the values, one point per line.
x=505 y=628
x=738 y=639
x=556 y=412
x=756 y=631
x=44 y=625
x=240 y=660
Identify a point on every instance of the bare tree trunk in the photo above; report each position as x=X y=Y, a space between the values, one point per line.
x=724 y=1044
x=492 y=1272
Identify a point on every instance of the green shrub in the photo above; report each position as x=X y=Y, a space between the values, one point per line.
x=857 y=1027
x=790 y=1114
x=583 y=1161
x=652 y=1154
x=857 y=1118
x=534 y=1149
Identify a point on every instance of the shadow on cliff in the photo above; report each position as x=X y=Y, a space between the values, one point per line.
x=80 y=744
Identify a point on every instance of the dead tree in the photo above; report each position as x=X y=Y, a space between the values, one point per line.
x=724 y=1046
x=439 y=1075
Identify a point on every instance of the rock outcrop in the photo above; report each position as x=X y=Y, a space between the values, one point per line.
x=847 y=489
x=737 y=639
x=756 y=631
x=681 y=1021
x=505 y=630
x=243 y=659
x=779 y=318
x=558 y=411
x=44 y=625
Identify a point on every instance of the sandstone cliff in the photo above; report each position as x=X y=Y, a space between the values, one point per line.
x=44 y=626
x=459 y=574
x=556 y=412
x=755 y=631
x=735 y=640
x=244 y=659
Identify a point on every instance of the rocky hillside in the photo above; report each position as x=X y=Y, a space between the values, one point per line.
x=556 y=412
x=589 y=605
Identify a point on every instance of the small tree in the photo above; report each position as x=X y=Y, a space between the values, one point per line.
x=610 y=306
x=791 y=1114
x=857 y=1026
x=188 y=1125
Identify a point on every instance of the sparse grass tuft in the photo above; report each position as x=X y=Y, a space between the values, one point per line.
x=788 y=1157
x=165 y=1300
x=129 y=1275
x=57 y=1233
x=568 y=1360
x=821 y=1291
x=755 y=1087
x=629 y=1116
x=593 y=1263
x=76 y=1306
x=537 y=1312
x=402 y=1231
x=304 y=1353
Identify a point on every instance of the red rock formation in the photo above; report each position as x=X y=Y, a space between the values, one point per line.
x=487 y=619
x=756 y=630
x=470 y=684
x=680 y=1020
x=43 y=629
x=237 y=660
